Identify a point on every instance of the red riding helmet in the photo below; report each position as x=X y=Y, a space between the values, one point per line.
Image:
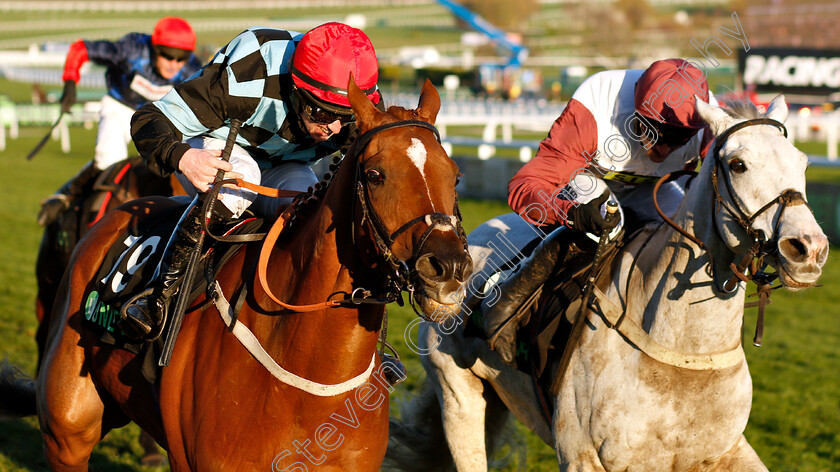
x=326 y=56
x=175 y=33
x=665 y=92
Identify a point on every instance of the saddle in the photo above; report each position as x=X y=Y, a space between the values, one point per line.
x=132 y=264
x=541 y=300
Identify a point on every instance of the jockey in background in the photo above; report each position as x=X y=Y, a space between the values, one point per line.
x=140 y=68
x=290 y=92
x=620 y=132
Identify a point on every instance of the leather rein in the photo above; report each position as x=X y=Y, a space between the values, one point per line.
x=752 y=265
x=400 y=271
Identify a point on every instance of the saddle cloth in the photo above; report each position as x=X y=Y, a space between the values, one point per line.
x=131 y=264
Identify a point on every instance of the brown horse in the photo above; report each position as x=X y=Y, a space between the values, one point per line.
x=310 y=392
x=122 y=182
x=119 y=183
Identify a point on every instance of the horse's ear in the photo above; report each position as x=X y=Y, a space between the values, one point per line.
x=717 y=119
x=778 y=109
x=364 y=109
x=429 y=102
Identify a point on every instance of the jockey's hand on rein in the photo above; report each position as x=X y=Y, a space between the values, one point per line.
x=200 y=167
x=587 y=217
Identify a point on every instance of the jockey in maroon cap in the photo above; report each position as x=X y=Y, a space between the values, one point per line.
x=621 y=131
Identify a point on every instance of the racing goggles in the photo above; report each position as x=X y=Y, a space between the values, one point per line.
x=320 y=114
x=173 y=54
x=673 y=136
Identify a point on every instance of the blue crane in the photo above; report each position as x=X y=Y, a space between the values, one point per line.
x=517 y=53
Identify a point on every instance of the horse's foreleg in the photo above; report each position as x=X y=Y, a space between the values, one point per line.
x=741 y=458
x=463 y=406
x=69 y=407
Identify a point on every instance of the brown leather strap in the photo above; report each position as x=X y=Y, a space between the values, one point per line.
x=667 y=178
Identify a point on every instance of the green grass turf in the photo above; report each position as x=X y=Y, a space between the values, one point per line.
x=796 y=411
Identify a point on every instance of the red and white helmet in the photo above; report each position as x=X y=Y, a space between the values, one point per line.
x=326 y=56
x=665 y=92
x=174 y=32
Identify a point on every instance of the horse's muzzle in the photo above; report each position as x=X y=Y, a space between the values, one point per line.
x=442 y=277
x=802 y=258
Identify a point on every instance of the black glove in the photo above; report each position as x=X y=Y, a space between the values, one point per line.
x=68 y=96
x=587 y=217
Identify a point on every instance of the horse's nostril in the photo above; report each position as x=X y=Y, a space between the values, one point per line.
x=430 y=267
x=793 y=249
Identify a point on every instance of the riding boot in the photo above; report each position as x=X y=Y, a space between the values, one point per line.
x=392 y=369
x=503 y=318
x=143 y=317
x=53 y=206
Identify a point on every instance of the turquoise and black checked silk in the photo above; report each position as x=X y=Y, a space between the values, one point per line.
x=248 y=79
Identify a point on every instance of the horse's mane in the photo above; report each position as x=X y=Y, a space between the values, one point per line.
x=307 y=200
x=740 y=108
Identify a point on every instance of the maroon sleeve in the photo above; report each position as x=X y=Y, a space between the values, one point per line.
x=571 y=144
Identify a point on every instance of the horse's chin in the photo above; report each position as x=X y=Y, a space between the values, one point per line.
x=791 y=283
x=434 y=310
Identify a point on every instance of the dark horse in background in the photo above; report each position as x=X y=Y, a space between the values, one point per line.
x=316 y=289
x=122 y=182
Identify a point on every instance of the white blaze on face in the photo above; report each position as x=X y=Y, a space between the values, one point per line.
x=417 y=153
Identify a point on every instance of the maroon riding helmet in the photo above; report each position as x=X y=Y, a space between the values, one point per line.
x=322 y=63
x=665 y=95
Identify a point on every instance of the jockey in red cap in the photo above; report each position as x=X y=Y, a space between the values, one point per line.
x=290 y=92
x=140 y=68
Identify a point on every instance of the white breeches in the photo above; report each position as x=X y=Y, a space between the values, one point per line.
x=114 y=133
x=286 y=176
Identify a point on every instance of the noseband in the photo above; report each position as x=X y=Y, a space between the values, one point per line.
x=401 y=271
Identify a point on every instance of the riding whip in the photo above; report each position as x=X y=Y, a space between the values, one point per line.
x=46 y=138
x=183 y=296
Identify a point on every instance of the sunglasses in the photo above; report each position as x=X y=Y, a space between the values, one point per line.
x=673 y=136
x=170 y=57
x=322 y=116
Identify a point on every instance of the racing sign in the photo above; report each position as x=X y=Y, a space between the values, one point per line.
x=797 y=71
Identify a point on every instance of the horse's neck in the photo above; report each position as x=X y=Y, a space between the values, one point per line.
x=672 y=292
x=307 y=270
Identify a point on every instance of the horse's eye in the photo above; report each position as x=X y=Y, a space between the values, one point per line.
x=737 y=166
x=374 y=176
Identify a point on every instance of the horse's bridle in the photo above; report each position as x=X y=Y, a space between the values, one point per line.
x=761 y=246
x=401 y=271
